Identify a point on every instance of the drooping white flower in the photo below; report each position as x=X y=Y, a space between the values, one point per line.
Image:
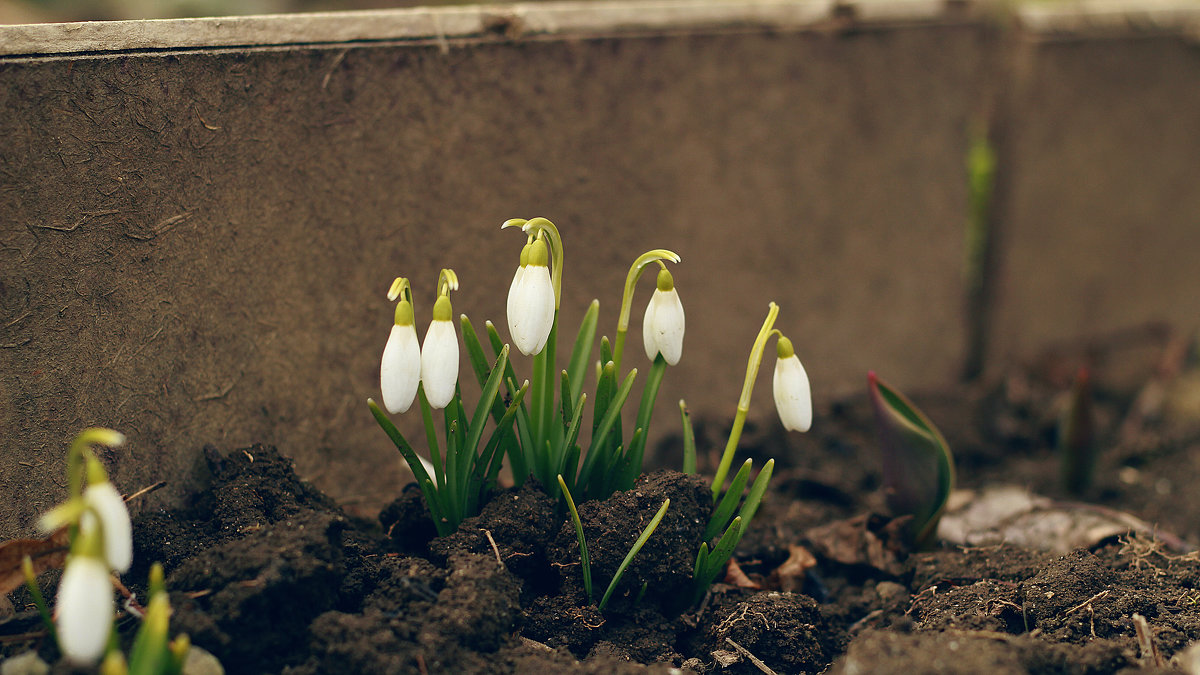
x=663 y=324
x=531 y=301
x=793 y=397
x=105 y=502
x=84 y=609
x=400 y=368
x=439 y=356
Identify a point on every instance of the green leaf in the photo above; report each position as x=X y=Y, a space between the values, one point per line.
x=689 y=440
x=435 y=455
x=637 y=546
x=714 y=562
x=728 y=504
x=750 y=507
x=584 y=341
x=918 y=470
x=584 y=561
x=406 y=451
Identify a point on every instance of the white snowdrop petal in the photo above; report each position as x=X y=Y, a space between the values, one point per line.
x=114 y=518
x=663 y=326
x=84 y=610
x=670 y=325
x=513 y=295
x=532 y=316
x=649 y=339
x=793 y=397
x=400 y=369
x=439 y=363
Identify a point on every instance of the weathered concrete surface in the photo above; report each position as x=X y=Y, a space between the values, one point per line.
x=1101 y=226
x=196 y=245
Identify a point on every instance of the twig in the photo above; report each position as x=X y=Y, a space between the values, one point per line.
x=1145 y=638
x=146 y=490
x=857 y=625
x=1087 y=602
x=495 y=549
x=753 y=659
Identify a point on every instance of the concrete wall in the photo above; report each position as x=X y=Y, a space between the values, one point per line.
x=196 y=241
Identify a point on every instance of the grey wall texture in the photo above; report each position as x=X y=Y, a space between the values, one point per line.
x=196 y=243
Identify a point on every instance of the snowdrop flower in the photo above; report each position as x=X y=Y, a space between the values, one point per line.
x=84 y=609
x=106 y=509
x=400 y=368
x=662 y=327
x=531 y=300
x=793 y=398
x=439 y=353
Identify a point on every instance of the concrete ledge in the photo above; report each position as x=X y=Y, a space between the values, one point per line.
x=424 y=23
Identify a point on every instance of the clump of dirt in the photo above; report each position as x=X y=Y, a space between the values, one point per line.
x=610 y=528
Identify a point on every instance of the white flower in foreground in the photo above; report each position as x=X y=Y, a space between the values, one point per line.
x=439 y=356
x=793 y=397
x=400 y=368
x=116 y=532
x=531 y=301
x=84 y=609
x=662 y=327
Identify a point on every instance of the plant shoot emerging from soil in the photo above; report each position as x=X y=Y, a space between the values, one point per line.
x=918 y=470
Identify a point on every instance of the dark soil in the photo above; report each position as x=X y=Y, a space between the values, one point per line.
x=271 y=576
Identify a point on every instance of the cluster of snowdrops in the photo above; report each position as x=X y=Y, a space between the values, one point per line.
x=536 y=422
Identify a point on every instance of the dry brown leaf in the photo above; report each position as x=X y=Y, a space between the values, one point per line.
x=869 y=539
x=734 y=576
x=48 y=553
x=791 y=573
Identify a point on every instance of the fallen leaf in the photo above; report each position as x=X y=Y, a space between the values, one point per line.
x=869 y=539
x=734 y=576
x=48 y=553
x=793 y=570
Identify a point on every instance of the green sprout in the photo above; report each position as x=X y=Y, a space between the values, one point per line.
x=1076 y=436
x=585 y=560
x=918 y=469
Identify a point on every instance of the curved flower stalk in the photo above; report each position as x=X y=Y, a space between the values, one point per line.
x=400 y=367
x=663 y=325
x=531 y=300
x=793 y=396
x=439 y=353
x=635 y=273
x=793 y=400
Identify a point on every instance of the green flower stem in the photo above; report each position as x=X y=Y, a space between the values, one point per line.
x=637 y=446
x=743 y=408
x=631 y=279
